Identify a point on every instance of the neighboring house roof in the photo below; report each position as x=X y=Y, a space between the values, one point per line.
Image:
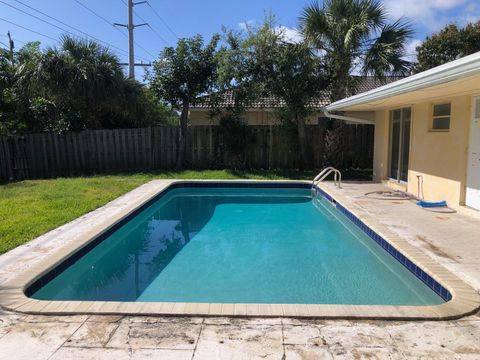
x=265 y=102
x=455 y=73
x=365 y=83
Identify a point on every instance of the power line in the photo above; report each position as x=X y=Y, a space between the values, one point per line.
x=20 y=41
x=36 y=17
x=15 y=39
x=131 y=41
x=61 y=22
x=64 y=30
x=156 y=33
x=116 y=28
x=100 y=17
x=25 y=28
x=163 y=21
x=141 y=47
x=137 y=44
x=151 y=28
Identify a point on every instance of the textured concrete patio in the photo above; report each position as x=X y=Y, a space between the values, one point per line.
x=450 y=239
x=110 y=337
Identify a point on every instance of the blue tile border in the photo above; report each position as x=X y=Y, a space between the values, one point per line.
x=402 y=259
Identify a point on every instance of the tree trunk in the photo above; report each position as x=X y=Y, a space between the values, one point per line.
x=333 y=136
x=302 y=142
x=340 y=78
x=339 y=91
x=333 y=144
x=182 y=136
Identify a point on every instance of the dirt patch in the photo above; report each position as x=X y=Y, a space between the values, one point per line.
x=434 y=248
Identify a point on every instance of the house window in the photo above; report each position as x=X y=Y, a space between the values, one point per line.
x=441 y=117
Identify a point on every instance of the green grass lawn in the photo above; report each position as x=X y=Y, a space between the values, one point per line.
x=31 y=208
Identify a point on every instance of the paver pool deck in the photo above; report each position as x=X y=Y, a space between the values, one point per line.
x=452 y=240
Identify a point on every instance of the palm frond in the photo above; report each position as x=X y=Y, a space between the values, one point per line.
x=387 y=53
x=365 y=17
x=315 y=25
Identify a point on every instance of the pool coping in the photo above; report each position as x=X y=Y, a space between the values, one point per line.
x=465 y=300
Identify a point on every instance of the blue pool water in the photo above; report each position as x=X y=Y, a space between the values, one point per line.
x=239 y=245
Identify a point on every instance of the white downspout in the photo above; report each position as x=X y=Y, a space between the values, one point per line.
x=347 y=118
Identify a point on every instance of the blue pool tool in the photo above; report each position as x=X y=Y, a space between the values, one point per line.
x=429 y=204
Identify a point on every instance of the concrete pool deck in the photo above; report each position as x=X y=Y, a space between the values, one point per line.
x=89 y=336
x=463 y=299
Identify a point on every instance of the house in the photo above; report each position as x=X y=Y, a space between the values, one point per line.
x=427 y=132
x=262 y=111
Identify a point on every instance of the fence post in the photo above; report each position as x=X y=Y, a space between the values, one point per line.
x=8 y=161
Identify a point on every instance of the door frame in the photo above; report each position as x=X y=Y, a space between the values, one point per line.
x=400 y=147
x=474 y=99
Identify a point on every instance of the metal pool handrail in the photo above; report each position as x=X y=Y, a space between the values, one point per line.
x=337 y=179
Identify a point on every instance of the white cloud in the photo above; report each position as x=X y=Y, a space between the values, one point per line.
x=245 y=25
x=471 y=18
x=410 y=49
x=433 y=14
x=472 y=13
x=420 y=8
x=290 y=35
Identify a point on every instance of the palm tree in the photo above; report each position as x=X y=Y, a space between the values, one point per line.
x=83 y=76
x=356 y=33
x=353 y=34
x=86 y=83
x=16 y=102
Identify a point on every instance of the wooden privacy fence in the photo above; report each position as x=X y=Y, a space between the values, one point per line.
x=48 y=155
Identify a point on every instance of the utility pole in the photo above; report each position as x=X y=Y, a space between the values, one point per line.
x=11 y=46
x=131 y=44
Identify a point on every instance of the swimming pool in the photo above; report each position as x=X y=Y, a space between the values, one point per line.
x=261 y=243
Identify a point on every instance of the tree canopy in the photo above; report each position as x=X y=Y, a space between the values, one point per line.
x=450 y=43
x=75 y=86
x=80 y=84
x=261 y=62
x=297 y=78
x=183 y=73
x=355 y=34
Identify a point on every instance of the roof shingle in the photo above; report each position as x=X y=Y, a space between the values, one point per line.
x=365 y=83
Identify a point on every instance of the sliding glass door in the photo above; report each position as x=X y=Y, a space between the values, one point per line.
x=400 y=121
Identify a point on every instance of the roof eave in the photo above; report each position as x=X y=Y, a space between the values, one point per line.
x=464 y=67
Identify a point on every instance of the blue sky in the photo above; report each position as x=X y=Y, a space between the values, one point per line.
x=183 y=18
